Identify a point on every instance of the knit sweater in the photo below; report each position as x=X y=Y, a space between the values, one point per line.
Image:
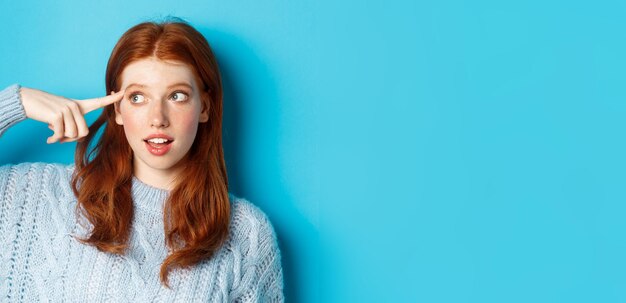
x=41 y=260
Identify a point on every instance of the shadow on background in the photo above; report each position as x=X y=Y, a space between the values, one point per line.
x=292 y=228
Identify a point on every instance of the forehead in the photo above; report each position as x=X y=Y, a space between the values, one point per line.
x=155 y=72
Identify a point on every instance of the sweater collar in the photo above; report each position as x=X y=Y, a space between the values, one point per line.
x=147 y=196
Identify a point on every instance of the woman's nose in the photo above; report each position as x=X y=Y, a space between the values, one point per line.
x=158 y=115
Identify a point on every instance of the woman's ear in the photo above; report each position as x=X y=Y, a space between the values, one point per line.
x=118 y=114
x=204 y=114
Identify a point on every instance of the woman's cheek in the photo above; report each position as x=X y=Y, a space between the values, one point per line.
x=191 y=124
x=189 y=130
x=131 y=124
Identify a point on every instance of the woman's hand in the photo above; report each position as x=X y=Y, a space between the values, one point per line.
x=64 y=116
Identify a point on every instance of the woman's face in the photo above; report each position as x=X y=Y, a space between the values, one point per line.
x=160 y=113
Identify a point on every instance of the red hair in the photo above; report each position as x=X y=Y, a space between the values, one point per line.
x=197 y=211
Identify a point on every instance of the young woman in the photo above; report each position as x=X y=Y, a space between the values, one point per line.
x=144 y=214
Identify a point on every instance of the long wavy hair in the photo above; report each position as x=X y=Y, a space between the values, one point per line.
x=197 y=210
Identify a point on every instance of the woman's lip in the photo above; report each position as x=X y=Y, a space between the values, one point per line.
x=163 y=136
x=158 y=149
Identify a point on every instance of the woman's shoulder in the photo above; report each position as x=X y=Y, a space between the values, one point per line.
x=249 y=222
x=37 y=177
x=244 y=210
x=253 y=242
x=39 y=186
x=36 y=170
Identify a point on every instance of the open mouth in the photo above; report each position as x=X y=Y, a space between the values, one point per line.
x=158 y=142
x=158 y=146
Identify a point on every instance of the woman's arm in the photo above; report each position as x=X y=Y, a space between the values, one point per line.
x=18 y=103
x=64 y=116
x=35 y=198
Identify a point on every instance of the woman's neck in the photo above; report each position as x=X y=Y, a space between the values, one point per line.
x=159 y=178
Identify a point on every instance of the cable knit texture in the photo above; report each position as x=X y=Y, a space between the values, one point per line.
x=41 y=260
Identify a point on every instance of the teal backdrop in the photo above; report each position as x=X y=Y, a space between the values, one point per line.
x=405 y=151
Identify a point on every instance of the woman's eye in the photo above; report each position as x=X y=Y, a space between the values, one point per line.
x=136 y=98
x=179 y=96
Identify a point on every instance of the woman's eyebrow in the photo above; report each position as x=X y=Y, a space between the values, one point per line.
x=181 y=84
x=173 y=85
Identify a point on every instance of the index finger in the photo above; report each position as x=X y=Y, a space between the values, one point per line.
x=89 y=105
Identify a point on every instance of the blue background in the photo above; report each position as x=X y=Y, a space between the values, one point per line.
x=406 y=151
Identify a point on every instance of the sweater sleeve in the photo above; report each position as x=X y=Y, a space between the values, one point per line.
x=261 y=276
x=11 y=108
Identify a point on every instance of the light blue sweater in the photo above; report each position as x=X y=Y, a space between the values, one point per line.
x=41 y=261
